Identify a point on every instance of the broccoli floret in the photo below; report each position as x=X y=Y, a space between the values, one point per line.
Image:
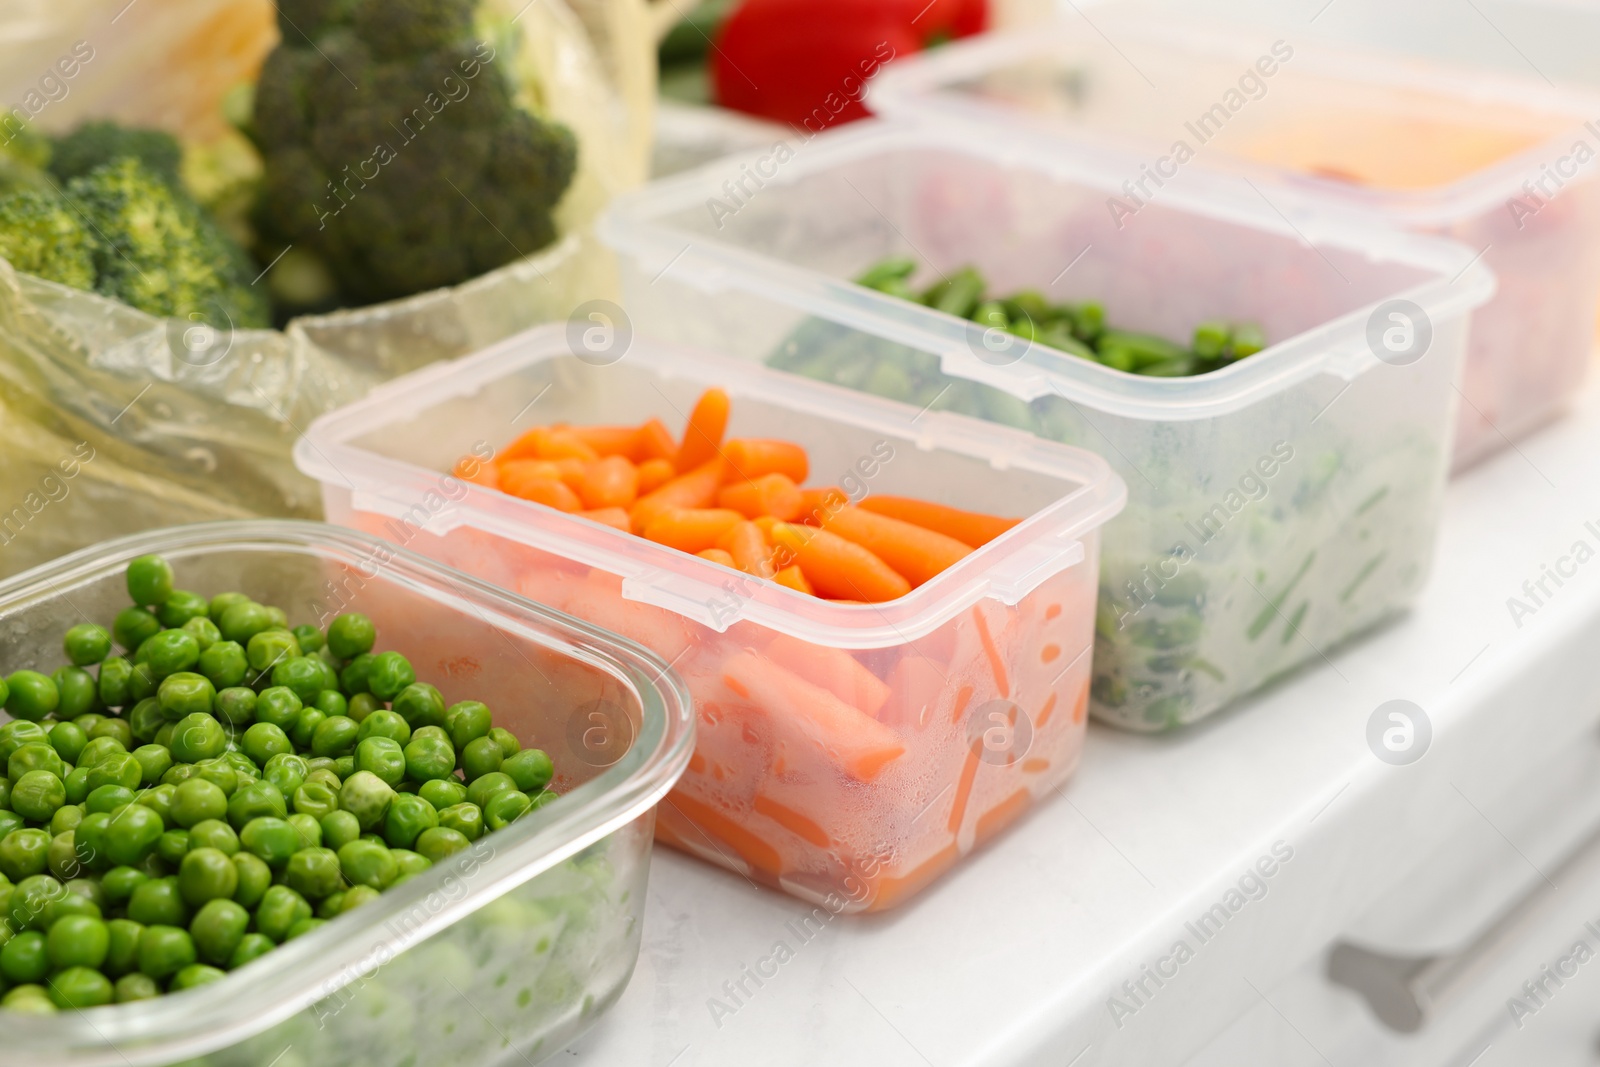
x=399 y=148
x=158 y=251
x=41 y=234
x=95 y=144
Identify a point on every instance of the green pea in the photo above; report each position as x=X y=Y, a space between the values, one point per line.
x=388 y=674
x=358 y=895
x=98 y=750
x=278 y=706
x=117 y=768
x=149 y=580
x=465 y=819
x=409 y=815
x=544 y=799
x=509 y=745
x=366 y=863
x=332 y=703
x=204 y=632
x=185 y=694
x=108 y=798
x=67 y=817
x=285 y=770
x=78 y=941
x=86 y=644
x=353 y=678
x=305 y=726
x=113 y=728
x=5 y=794
x=80 y=896
x=154 y=761
x=214 y=833
x=198 y=737
x=344 y=767
x=335 y=737
x=221 y=774
x=442 y=792
x=172 y=847
x=361 y=705
x=122 y=947
x=29 y=999
x=115 y=673
x=280 y=909
x=420 y=704
x=270 y=838
x=339 y=828
x=316 y=799
x=351 y=635
x=410 y=863
x=25 y=958
x=222 y=602
x=33 y=696
x=132 y=835
x=37 y=794
x=264 y=742
x=367 y=797
x=320 y=769
x=242 y=621
x=119 y=883
x=61 y=859
x=430 y=758
x=307 y=829
x=481 y=756
x=255 y=878
x=164 y=950
x=304 y=927
x=224 y=664
x=466 y=722
x=314 y=873
x=133 y=627
x=169 y=652
x=182 y=607
x=382 y=757
x=89 y=840
x=158 y=799
x=68 y=739
x=158 y=903
x=77 y=692
x=440 y=843
x=145 y=720
x=505 y=808
x=531 y=770
x=488 y=785
x=34 y=756
x=304 y=675
x=131 y=988
x=235 y=706
x=206 y=874
x=80 y=987
x=251 y=947
x=142 y=682
x=197 y=800
x=31 y=901
x=19 y=732
x=269 y=650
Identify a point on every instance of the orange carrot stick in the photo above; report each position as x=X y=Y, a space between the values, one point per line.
x=695 y=489
x=703 y=436
x=716 y=555
x=795 y=579
x=914 y=551
x=690 y=529
x=549 y=492
x=839 y=568
x=612 y=482
x=770 y=494
x=747 y=546
x=614 y=517
x=751 y=457
x=654 y=473
x=653 y=440
x=965 y=526
x=833 y=669
x=817 y=504
x=608 y=440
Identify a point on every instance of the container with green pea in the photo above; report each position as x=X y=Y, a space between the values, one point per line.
x=272 y=793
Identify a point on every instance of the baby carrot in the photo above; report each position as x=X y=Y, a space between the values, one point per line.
x=612 y=482
x=914 y=551
x=652 y=440
x=615 y=517
x=654 y=473
x=549 y=492
x=716 y=555
x=514 y=472
x=702 y=438
x=477 y=471
x=839 y=568
x=549 y=442
x=747 y=546
x=771 y=494
x=966 y=526
x=795 y=579
x=817 y=504
x=608 y=440
x=694 y=489
x=690 y=529
x=752 y=457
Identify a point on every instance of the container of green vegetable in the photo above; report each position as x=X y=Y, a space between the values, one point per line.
x=281 y=794
x=1284 y=436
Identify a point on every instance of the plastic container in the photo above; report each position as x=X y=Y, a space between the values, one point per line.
x=846 y=753
x=505 y=952
x=1276 y=507
x=1491 y=160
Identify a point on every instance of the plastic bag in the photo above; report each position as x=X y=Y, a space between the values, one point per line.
x=112 y=420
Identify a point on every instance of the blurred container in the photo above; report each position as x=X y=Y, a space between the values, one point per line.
x=1276 y=507
x=847 y=753
x=515 y=945
x=1319 y=129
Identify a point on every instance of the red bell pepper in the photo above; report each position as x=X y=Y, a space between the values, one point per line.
x=807 y=62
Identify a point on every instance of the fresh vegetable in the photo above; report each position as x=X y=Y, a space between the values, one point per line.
x=401 y=146
x=736 y=502
x=1077 y=329
x=161 y=834
x=96 y=143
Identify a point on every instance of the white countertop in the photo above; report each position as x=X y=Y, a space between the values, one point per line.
x=1012 y=957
